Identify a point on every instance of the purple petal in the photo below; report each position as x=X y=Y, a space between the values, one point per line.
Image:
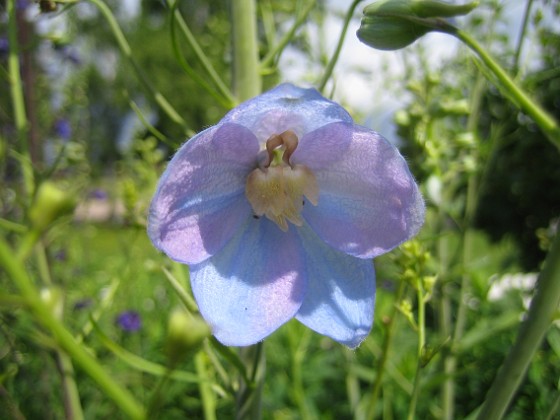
x=368 y=200
x=200 y=200
x=253 y=285
x=340 y=296
x=286 y=107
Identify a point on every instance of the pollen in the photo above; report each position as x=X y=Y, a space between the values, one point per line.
x=276 y=189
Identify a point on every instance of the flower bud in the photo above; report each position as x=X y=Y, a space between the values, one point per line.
x=184 y=334
x=53 y=298
x=394 y=24
x=50 y=204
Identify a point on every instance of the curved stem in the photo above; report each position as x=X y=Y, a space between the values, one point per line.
x=127 y=52
x=532 y=331
x=278 y=48
x=81 y=357
x=522 y=34
x=535 y=111
x=330 y=66
x=224 y=95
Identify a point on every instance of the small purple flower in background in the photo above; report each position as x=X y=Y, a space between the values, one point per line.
x=98 y=194
x=22 y=4
x=279 y=209
x=129 y=321
x=83 y=304
x=71 y=54
x=63 y=129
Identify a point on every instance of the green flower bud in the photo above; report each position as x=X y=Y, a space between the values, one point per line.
x=53 y=297
x=50 y=204
x=394 y=24
x=185 y=333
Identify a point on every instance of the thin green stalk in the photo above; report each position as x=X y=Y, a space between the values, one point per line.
x=13 y=267
x=206 y=394
x=246 y=69
x=18 y=102
x=555 y=408
x=522 y=33
x=330 y=66
x=288 y=36
x=186 y=298
x=535 y=111
x=248 y=398
x=153 y=131
x=298 y=347
x=72 y=404
x=12 y=226
x=390 y=329
x=27 y=243
x=531 y=333
x=223 y=95
x=127 y=53
x=421 y=344
x=156 y=398
x=267 y=19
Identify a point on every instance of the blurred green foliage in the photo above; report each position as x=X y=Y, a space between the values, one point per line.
x=458 y=134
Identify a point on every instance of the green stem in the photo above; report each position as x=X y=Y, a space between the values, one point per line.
x=248 y=398
x=522 y=34
x=124 y=46
x=81 y=357
x=18 y=102
x=224 y=95
x=27 y=243
x=246 y=69
x=288 y=36
x=531 y=333
x=206 y=393
x=72 y=402
x=330 y=66
x=535 y=111
x=421 y=344
x=298 y=347
x=385 y=353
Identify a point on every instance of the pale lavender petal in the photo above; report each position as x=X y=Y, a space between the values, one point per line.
x=286 y=107
x=253 y=285
x=200 y=200
x=368 y=200
x=340 y=297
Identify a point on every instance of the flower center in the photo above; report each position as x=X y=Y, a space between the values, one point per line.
x=277 y=188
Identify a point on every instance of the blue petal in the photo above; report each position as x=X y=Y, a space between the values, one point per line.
x=368 y=200
x=286 y=107
x=253 y=285
x=340 y=297
x=200 y=200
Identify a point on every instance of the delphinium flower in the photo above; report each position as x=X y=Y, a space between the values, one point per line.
x=129 y=321
x=63 y=129
x=278 y=210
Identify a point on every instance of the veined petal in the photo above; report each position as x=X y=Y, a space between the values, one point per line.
x=286 y=107
x=253 y=285
x=368 y=200
x=340 y=297
x=200 y=200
